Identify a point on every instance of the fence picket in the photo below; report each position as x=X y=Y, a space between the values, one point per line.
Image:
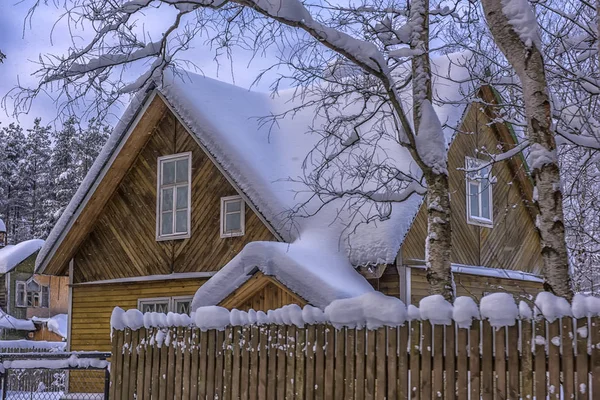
x=360 y=364
x=164 y=364
x=500 y=362
x=339 y=364
x=554 y=387
x=513 y=362
x=567 y=360
x=462 y=359
x=281 y=360
x=291 y=362
x=540 y=359
x=126 y=364
x=527 y=359
x=392 y=362
x=219 y=363
x=171 y=363
x=595 y=356
x=450 y=362
x=263 y=360
x=426 y=366
x=320 y=362
x=329 y=361
x=487 y=361
x=178 y=367
x=415 y=359
x=194 y=363
x=438 y=361
x=141 y=359
x=300 y=357
x=272 y=364
x=370 y=365
x=350 y=363
x=402 y=373
x=253 y=375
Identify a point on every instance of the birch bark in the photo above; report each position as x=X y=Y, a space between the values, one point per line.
x=527 y=60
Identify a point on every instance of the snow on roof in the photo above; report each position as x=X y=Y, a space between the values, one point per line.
x=10 y=322
x=56 y=324
x=2 y=226
x=261 y=157
x=490 y=272
x=310 y=267
x=13 y=255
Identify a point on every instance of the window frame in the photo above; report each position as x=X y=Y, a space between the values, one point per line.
x=474 y=220
x=176 y=299
x=24 y=285
x=159 y=173
x=224 y=201
x=171 y=302
x=154 y=300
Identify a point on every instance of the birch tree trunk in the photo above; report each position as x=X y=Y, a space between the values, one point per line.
x=438 y=245
x=527 y=60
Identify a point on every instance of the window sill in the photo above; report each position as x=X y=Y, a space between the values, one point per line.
x=172 y=237
x=485 y=223
x=230 y=235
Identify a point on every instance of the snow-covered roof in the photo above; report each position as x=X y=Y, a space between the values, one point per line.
x=56 y=324
x=10 y=322
x=13 y=255
x=310 y=267
x=261 y=157
x=2 y=226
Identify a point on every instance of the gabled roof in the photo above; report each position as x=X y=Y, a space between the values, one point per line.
x=13 y=255
x=310 y=268
x=261 y=158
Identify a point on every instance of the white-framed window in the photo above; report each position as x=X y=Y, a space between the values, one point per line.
x=32 y=294
x=160 y=304
x=21 y=294
x=232 y=216
x=479 y=192
x=176 y=304
x=182 y=304
x=174 y=196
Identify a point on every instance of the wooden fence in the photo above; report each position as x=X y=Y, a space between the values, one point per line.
x=415 y=361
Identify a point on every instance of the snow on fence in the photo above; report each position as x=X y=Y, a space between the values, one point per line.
x=30 y=346
x=368 y=347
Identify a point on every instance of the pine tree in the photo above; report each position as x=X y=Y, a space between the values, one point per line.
x=37 y=179
x=89 y=144
x=12 y=205
x=64 y=168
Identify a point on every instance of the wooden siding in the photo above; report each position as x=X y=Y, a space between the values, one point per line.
x=93 y=306
x=261 y=293
x=475 y=286
x=388 y=283
x=59 y=296
x=122 y=241
x=513 y=242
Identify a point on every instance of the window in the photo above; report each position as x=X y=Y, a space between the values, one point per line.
x=179 y=305
x=21 y=294
x=232 y=216
x=479 y=192
x=160 y=305
x=182 y=305
x=173 y=203
x=32 y=294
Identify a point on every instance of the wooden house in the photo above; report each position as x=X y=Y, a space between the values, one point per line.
x=190 y=192
x=24 y=294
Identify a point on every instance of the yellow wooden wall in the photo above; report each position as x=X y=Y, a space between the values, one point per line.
x=475 y=286
x=513 y=242
x=122 y=241
x=261 y=293
x=93 y=306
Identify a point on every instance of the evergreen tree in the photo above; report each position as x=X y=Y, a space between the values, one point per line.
x=64 y=168
x=89 y=144
x=37 y=179
x=12 y=204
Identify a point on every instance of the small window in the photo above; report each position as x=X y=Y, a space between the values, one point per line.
x=479 y=192
x=232 y=216
x=45 y=297
x=182 y=305
x=174 y=197
x=160 y=305
x=20 y=299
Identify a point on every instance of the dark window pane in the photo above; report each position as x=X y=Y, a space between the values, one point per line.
x=233 y=206
x=232 y=223
x=182 y=197
x=181 y=221
x=182 y=171
x=168 y=173
x=167 y=199
x=167 y=223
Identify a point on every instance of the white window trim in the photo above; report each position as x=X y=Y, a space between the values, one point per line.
x=169 y=300
x=17 y=284
x=173 y=236
x=479 y=221
x=141 y=302
x=242 y=217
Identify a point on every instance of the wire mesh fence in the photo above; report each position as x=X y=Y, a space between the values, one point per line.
x=37 y=376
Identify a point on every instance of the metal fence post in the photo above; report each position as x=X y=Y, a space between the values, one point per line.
x=106 y=383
